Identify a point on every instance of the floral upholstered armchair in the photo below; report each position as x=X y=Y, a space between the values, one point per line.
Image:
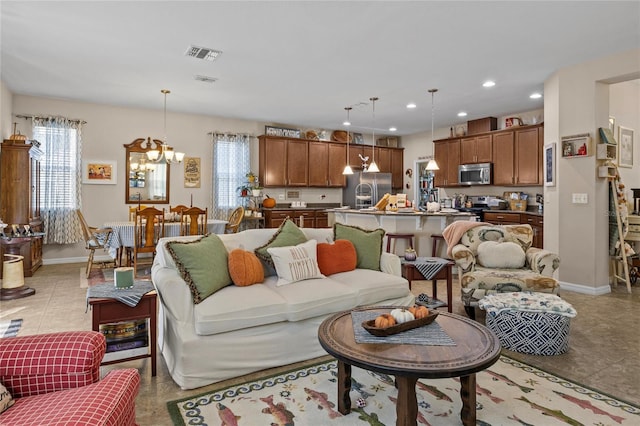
x=499 y=259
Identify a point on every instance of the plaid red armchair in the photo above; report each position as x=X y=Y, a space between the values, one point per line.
x=55 y=380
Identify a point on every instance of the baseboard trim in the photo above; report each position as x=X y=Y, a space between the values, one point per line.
x=63 y=260
x=577 y=288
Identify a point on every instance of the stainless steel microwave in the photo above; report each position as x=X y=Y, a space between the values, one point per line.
x=475 y=174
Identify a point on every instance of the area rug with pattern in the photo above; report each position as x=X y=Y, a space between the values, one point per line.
x=508 y=393
x=10 y=328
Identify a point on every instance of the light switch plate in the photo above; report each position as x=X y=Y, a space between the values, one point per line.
x=579 y=198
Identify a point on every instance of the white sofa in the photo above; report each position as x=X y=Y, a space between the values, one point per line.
x=239 y=330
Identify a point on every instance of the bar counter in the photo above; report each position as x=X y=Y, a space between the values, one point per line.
x=421 y=224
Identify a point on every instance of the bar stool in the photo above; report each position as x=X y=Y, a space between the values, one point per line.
x=392 y=236
x=435 y=238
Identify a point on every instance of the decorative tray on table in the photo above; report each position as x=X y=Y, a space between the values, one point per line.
x=398 y=328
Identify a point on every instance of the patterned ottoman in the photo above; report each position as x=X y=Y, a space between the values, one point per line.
x=532 y=323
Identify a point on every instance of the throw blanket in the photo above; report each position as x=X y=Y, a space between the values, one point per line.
x=456 y=230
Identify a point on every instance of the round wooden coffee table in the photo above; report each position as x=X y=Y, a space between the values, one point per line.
x=476 y=348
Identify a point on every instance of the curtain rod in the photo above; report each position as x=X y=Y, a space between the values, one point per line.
x=26 y=117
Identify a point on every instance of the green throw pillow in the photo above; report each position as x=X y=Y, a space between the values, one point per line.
x=368 y=244
x=203 y=264
x=287 y=235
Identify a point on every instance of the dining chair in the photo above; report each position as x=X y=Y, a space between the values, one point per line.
x=177 y=209
x=94 y=238
x=194 y=221
x=132 y=212
x=233 y=223
x=147 y=230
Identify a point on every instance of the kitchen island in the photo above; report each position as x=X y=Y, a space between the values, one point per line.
x=421 y=224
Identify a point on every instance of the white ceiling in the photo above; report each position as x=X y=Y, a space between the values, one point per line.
x=302 y=62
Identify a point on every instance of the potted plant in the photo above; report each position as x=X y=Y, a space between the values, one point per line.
x=256 y=190
x=244 y=190
x=251 y=177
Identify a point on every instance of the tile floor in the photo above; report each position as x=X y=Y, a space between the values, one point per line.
x=604 y=345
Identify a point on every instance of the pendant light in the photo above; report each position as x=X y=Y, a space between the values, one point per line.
x=431 y=165
x=347 y=169
x=373 y=167
x=165 y=154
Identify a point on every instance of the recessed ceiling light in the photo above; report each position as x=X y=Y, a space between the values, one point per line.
x=462 y=114
x=392 y=129
x=411 y=105
x=535 y=96
x=488 y=83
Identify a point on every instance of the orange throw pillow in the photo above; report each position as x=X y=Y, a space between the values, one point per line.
x=245 y=268
x=337 y=257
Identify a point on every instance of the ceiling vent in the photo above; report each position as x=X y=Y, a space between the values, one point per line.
x=205 y=78
x=202 y=53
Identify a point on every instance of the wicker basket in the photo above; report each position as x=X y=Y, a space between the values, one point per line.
x=518 y=205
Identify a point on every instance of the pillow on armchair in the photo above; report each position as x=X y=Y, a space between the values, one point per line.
x=501 y=255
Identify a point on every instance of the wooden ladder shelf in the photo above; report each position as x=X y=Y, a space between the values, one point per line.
x=619 y=258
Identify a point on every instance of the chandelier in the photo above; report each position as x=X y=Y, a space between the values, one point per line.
x=165 y=154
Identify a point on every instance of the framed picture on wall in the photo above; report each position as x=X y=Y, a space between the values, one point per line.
x=549 y=164
x=625 y=147
x=192 y=172
x=99 y=172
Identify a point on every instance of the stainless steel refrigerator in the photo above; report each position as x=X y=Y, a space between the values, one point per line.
x=365 y=189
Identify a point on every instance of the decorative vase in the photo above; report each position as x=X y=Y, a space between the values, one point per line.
x=410 y=254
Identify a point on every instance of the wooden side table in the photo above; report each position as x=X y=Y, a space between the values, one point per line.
x=411 y=273
x=107 y=311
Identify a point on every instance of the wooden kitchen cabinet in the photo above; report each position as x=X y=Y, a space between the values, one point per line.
x=286 y=162
x=337 y=161
x=528 y=156
x=501 y=218
x=273 y=218
x=447 y=155
x=397 y=168
x=503 y=154
x=326 y=163
x=283 y=161
x=537 y=224
x=383 y=159
x=477 y=149
x=517 y=156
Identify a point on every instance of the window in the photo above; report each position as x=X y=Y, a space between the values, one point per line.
x=60 y=174
x=231 y=162
x=59 y=167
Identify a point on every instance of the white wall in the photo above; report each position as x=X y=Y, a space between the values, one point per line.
x=577 y=101
x=624 y=106
x=108 y=128
x=6 y=99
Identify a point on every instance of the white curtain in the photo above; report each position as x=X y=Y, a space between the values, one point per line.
x=231 y=162
x=60 y=177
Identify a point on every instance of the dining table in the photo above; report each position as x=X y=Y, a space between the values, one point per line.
x=123 y=233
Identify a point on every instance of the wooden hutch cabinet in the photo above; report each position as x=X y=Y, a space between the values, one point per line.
x=20 y=200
